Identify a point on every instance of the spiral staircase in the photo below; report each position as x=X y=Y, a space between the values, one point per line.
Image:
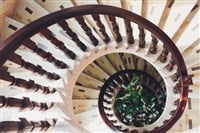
x=57 y=58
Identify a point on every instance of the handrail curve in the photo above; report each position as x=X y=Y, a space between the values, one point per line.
x=14 y=41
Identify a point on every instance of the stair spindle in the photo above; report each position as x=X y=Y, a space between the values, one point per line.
x=175 y=76
x=46 y=55
x=29 y=66
x=129 y=31
x=72 y=34
x=153 y=47
x=108 y=95
x=23 y=103
x=96 y=17
x=141 y=37
x=107 y=108
x=115 y=28
x=106 y=101
x=177 y=87
x=172 y=112
x=29 y=85
x=163 y=55
x=48 y=34
x=176 y=102
x=87 y=30
x=171 y=64
x=24 y=124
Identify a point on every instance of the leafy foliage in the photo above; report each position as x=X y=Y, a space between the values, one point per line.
x=136 y=105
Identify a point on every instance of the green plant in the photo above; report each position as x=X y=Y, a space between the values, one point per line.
x=136 y=105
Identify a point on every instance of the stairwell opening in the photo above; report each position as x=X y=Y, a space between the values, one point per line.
x=96 y=77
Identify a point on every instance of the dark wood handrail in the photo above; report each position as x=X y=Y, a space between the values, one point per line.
x=29 y=30
x=14 y=41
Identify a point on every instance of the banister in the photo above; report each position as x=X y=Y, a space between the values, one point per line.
x=29 y=30
x=17 y=39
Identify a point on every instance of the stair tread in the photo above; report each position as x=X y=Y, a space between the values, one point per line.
x=83 y=105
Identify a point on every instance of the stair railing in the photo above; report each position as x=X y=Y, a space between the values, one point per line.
x=22 y=37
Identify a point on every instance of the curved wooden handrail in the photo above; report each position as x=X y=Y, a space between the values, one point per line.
x=14 y=41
